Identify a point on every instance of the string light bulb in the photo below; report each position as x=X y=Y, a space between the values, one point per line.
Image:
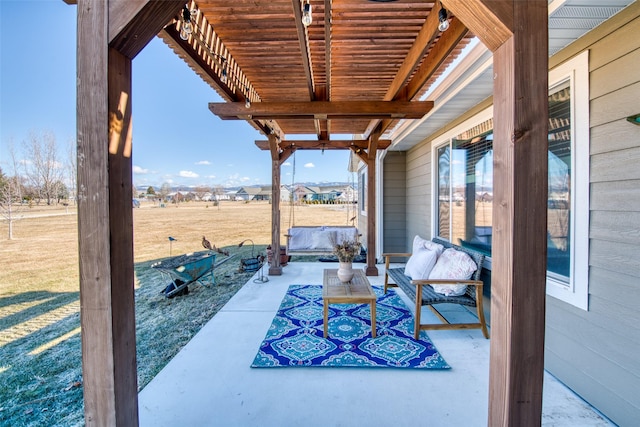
x=186 y=28
x=306 y=13
x=444 y=22
x=224 y=78
x=247 y=103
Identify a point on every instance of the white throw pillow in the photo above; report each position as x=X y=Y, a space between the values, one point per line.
x=420 y=264
x=433 y=246
x=419 y=242
x=456 y=265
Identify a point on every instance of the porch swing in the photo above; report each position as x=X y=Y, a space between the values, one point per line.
x=314 y=240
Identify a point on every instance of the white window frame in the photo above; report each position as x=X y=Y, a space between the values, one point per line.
x=576 y=291
x=362 y=190
x=576 y=70
x=445 y=139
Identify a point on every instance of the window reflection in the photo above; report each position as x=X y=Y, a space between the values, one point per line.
x=465 y=186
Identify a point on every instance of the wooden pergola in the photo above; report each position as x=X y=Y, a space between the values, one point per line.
x=358 y=69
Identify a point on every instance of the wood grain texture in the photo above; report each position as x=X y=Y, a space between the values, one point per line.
x=372 y=270
x=334 y=144
x=303 y=40
x=93 y=215
x=491 y=20
x=275 y=269
x=519 y=219
x=121 y=240
x=133 y=23
x=321 y=109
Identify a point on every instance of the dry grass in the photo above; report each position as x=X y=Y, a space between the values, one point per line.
x=40 y=375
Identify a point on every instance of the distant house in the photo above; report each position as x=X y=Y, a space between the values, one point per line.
x=254 y=193
x=285 y=193
x=302 y=193
x=327 y=193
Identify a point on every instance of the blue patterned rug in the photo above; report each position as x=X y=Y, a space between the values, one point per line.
x=295 y=337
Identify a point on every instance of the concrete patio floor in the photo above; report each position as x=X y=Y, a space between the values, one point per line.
x=210 y=382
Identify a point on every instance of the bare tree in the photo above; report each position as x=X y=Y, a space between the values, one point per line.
x=201 y=191
x=43 y=170
x=165 y=189
x=11 y=195
x=72 y=168
x=218 y=192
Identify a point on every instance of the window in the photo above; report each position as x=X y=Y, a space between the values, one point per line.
x=362 y=190
x=464 y=187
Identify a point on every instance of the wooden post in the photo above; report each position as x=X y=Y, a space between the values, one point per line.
x=519 y=221
x=372 y=152
x=516 y=31
x=105 y=231
x=275 y=269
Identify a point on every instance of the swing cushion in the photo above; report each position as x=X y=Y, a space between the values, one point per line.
x=319 y=239
x=300 y=238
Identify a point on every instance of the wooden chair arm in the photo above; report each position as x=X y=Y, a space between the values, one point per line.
x=391 y=254
x=387 y=258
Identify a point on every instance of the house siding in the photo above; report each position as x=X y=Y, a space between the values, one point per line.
x=394 y=208
x=418 y=192
x=595 y=352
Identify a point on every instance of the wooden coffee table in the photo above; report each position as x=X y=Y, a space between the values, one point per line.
x=358 y=291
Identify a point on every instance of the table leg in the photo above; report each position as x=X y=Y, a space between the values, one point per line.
x=373 y=319
x=326 y=316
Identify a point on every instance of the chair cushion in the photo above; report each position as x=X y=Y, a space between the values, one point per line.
x=421 y=263
x=456 y=265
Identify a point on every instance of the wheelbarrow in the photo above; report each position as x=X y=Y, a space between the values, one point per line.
x=183 y=270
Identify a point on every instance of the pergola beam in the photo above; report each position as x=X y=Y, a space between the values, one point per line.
x=344 y=144
x=133 y=23
x=490 y=20
x=321 y=110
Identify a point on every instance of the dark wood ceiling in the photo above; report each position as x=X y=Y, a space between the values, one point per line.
x=354 y=50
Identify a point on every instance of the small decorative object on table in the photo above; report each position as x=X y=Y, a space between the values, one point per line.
x=346 y=252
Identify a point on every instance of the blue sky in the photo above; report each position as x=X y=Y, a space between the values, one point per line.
x=176 y=139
